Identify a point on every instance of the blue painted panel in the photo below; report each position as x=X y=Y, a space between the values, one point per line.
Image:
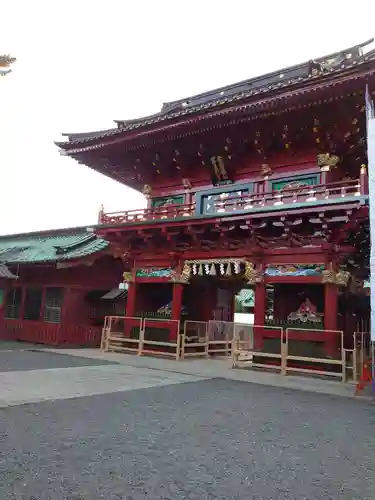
x=206 y=200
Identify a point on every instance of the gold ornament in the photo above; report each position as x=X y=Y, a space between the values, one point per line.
x=342 y=278
x=147 y=190
x=327 y=160
x=251 y=274
x=127 y=277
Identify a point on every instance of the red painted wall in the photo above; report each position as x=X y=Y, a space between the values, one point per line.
x=105 y=272
x=246 y=169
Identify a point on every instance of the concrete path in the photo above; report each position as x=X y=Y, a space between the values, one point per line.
x=21 y=387
x=204 y=368
x=41 y=375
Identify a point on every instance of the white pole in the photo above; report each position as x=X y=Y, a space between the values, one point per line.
x=370 y=118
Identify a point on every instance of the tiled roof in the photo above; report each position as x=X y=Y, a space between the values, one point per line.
x=51 y=246
x=284 y=79
x=246 y=298
x=6 y=273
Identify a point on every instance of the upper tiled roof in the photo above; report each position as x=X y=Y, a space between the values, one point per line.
x=49 y=247
x=319 y=69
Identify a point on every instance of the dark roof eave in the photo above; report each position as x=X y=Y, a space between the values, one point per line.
x=184 y=119
x=170 y=108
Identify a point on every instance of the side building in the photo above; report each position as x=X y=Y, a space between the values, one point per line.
x=56 y=287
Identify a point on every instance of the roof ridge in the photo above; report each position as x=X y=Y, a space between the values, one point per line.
x=49 y=232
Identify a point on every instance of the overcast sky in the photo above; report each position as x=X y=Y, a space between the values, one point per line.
x=83 y=63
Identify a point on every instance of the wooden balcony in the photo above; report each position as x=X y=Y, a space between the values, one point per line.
x=224 y=204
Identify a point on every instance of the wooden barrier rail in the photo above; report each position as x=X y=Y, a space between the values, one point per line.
x=220 y=336
x=248 y=354
x=250 y=346
x=127 y=334
x=194 y=341
x=314 y=364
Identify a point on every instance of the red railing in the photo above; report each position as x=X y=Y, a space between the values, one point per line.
x=288 y=196
x=148 y=214
x=50 y=333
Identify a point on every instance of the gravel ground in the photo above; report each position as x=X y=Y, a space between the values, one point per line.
x=18 y=360
x=212 y=439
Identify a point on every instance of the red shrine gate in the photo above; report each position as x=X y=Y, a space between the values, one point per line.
x=267 y=176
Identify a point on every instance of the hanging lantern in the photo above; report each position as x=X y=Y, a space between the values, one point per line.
x=194 y=269
x=207 y=269
x=237 y=268
x=222 y=270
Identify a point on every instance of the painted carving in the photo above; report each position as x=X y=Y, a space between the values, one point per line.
x=168 y=201
x=127 y=277
x=219 y=168
x=295 y=270
x=293 y=185
x=147 y=190
x=327 y=161
x=306 y=313
x=251 y=274
x=329 y=275
x=187 y=184
x=265 y=170
x=154 y=272
x=182 y=277
x=342 y=278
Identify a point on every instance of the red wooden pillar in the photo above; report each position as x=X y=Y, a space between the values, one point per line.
x=259 y=314
x=42 y=304
x=3 y=297
x=330 y=318
x=131 y=300
x=23 y=300
x=178 y=290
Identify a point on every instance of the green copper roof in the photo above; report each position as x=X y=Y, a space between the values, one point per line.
x=49 y=246
x=246 y=297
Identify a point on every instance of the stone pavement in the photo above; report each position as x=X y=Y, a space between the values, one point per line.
x=211 y=439
x=80 y=424
x=35 y=376
x=219 y=368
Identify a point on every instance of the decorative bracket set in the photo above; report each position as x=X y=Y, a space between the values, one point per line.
x=218 y=267
x=236 y=267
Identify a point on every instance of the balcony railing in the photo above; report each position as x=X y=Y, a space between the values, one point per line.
x=288 y=197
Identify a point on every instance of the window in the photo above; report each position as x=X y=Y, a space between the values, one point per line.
x=33 y=303
x=167 y=201
x=208 y=202
x=53 y=304
x=310 y=180
x=13 y=302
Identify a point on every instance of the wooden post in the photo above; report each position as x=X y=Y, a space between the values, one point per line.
x=330 y=317
x=3 y=298
x=178 y=290
x=363 y=180
x=259 y=314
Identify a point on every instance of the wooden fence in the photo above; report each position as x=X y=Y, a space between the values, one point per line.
x=248 y=346
x=55 y=334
